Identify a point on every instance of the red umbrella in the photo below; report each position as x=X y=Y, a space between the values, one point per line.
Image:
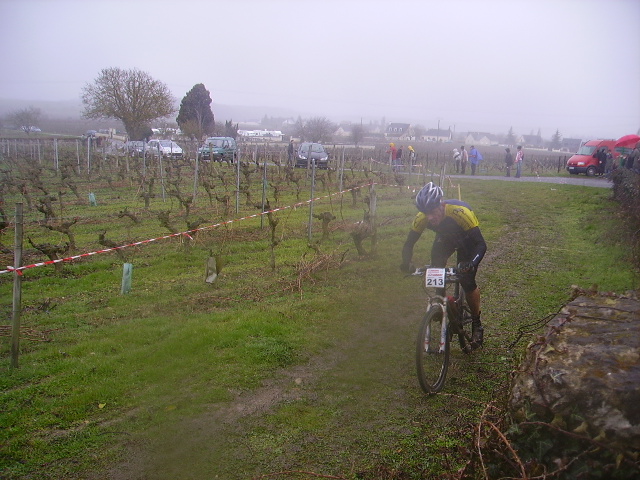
x=628 y=141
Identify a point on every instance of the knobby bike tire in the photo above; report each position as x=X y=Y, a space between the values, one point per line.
x=432 y=363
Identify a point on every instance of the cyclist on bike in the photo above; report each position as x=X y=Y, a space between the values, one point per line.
x=457 y=229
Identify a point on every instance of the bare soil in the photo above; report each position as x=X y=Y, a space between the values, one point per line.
x=234 y=440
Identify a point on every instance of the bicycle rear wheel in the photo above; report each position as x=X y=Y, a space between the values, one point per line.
x=432 y=351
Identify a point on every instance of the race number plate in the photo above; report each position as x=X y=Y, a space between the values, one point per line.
x=435 y=278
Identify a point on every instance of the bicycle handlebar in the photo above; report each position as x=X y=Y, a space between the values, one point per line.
x=452 y=274
x=449 y=271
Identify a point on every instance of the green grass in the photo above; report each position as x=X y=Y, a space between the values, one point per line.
x=175 y=345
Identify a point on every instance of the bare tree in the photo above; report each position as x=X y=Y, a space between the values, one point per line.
x=357 y=134
x=299 y=129
x=25 y=119
x=130 y=96
x=320 y=129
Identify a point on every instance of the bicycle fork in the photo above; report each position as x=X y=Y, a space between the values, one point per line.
x=443 y=330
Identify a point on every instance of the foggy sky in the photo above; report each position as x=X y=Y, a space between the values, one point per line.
x=570 y=65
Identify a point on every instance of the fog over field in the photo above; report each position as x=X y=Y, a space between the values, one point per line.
x=567 y=65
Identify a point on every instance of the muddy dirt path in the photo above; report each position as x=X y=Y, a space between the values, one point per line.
x=330 y=415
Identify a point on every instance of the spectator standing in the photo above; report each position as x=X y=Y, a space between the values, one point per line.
x=609 y=166
x=464 y=160
x=475 y=157
x=290 y=149
x=393 y=152
x=633 y=158
x=518 y=161
x=399 y=156
x=602 y=159
x=508 y=160
x=412 y=155
x=456 y=159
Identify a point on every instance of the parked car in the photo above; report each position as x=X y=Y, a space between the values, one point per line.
x=136 y=148
x=219 y=149
x=166 y=148
x=318 y=153
x=585 y=159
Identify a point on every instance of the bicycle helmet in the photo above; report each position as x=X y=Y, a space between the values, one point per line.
x=429 y=197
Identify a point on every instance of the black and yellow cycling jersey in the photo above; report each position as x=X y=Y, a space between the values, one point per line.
x=459 y=232
x=458 y=216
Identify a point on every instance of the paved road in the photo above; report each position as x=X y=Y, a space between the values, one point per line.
x=572 y=180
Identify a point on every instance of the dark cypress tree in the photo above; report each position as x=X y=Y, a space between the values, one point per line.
x=195 y=117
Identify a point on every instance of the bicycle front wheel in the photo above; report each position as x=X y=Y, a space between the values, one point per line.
x=432 y=351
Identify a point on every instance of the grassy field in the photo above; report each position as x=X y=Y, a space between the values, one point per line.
x=125 y=386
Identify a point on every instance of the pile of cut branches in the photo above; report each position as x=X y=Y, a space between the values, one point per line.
x=306 y=268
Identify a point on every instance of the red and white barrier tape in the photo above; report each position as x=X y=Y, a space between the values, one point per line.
x=187 y=234
x=388 y=164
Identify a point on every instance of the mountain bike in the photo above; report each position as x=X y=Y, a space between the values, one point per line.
x=445 y=317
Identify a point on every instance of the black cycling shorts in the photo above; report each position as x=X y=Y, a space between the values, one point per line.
x=440 y=253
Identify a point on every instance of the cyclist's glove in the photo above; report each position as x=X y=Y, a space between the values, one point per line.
x=466 y=267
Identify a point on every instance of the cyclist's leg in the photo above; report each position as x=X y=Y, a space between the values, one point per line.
x=440 y=253
x=469 y=285
x=473 y=300
x=472 y=292
x=477 y=330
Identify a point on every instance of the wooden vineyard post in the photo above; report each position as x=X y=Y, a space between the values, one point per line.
x=17 y=289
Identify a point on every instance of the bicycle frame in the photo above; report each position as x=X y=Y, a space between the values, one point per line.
x=445 y=314
x=438 y=302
